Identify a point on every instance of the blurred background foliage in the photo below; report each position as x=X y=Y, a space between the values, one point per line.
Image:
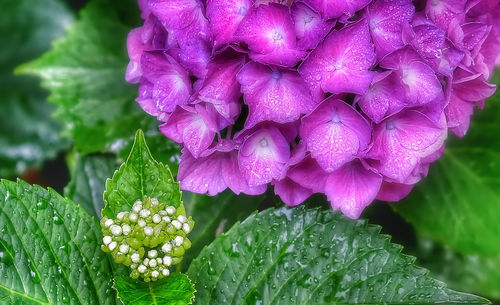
x=73 y=144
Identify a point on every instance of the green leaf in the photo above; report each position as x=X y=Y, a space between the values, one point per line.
x=308 y=256
x=84 y=73
x=49 y=250
x=471 y=272
x=176 y=289
x=140 y=175
x=29 y=134
x=89 y=179
x=214 y=215
x=458 y=204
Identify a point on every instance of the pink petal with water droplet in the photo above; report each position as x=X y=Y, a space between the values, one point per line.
x=342 y=62
x=270 y=35
x=419 y=80
x=291 y=193
x=273 y=95
x=263 y=156
x=386 y=20
x=336 y=8
x=309 y=26
x=401 y=141
x=225 y=17
x=195 y=127
x=335 y=133
x=351 y=188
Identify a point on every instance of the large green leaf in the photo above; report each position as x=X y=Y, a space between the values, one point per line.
x=140 y=175
x=29 y=135
x=84 y=73
x=214 y=215
x=89 y=179
x=176 y=289
x=459 y=202
x=308 y=256
x=49 y=250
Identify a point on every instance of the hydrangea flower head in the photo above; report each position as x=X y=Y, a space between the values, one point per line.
x=353 y=99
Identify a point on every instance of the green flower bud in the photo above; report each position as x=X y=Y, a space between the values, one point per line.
x=149 y=238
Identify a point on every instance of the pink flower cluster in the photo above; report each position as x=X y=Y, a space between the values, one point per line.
x=350 y=98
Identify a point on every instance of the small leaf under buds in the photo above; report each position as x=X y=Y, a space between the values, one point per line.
x=139 y=176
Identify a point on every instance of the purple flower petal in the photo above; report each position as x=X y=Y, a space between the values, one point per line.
x=442 y=12
x=221 y=88
x=384 y=97
x=351 y=188
x=225 y=17
x=171 y=84
x=309 y=175
x=269 y=33
x=386 y=20
x=419 y=80
x=335 y=133
x=195 y=127
x=263 y=156
x=291 y=193
x=309 y=26
x=336 y=8
x=275 y=95
x=432 y=45
x=401 y=141
x=213 y=172
x=342 y=62
x=394 y=192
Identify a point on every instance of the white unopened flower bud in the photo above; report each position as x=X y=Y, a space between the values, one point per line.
x=112 y=246
x=141 y=268
x=182 y=218
x=166 y=219
x=152 y=253
x=166 y=248
x=162 y=213
x=116 y=230
x=148 y=231
x=108 y=223
x=137 y=208
x=186 y=228
x=167 y=260
x=133 y=217
x=159 y=260
x=152 y=263
x=177 y=224
x=154 y=201
x=156 y=218
x=124 y=248
x=126 y=229
x=155 y=274
x=170 y=210
x=141 y=223
x=146 y=261
x=107 y=240
x=165 y=272
x=144 y=213
x=135 y=257
x=133 y=266
x=179 y=240
x=121 y=215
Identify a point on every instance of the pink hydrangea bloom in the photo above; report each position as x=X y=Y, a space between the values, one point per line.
x=353 y=99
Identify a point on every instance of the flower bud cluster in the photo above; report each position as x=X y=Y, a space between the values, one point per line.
x=149 y=239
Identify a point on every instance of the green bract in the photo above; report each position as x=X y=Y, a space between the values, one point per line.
x=149 y=239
